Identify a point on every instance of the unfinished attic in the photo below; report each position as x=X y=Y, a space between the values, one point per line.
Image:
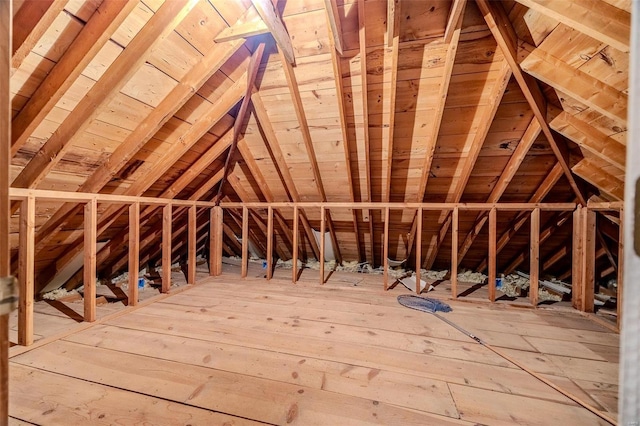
x=220 y=211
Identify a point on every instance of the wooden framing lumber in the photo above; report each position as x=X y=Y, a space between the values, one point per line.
x=323 y=217
x=248 y=25
x=252 y=73
x=432 y=139
x=103 y=91
x=245 y=241
x=576 y=83
x=547 y=184
x=269 y=242
x=167 y=224
x=457 y=10
x=6 y=50
x=273 y=146
x=335 y=25
x=590 y=139
x=308 y=142
x=554 y=224
x=191 y=250
x=215 y=251
x=385 y=253
x=593 y=173
x=534 y=257
x=454 y=253
x=95 y=34
x=474 y=151
x=510 y=170
x=32 y=20
x=89 y=268
x=620 y=274
x=419 y=220
x=504 y=34
x=271 y=18
x=362 y=39
x=337 y=74
x=133 y=252
x=190 y=83
x=26 y=271
x=492 y=254
x=294 y=253
x=188 y=139
x=584 y=252
x=393 y=22
x=599 y=20
x=393 y=40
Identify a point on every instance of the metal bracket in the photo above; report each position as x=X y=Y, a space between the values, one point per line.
x=8 y=295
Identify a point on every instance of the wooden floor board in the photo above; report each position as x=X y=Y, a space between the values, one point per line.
x=374 y=384
x=237 y=351
x=42 y=398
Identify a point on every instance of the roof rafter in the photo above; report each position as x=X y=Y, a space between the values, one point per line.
x=432 y=138
x=337 y=74
x=554 y=224
x=335 y=25
x=518 y=156
x=248 y=25
x=271 y=18
x=188 y=85
x=599 y=20
x=294 y=91
x=277 y=156
x=590 y=138
x=543 y=189
x=93 y=36
x=393 y=10
x=362 y=39
x=600 y=178
x=505 y=36
x=180 y=147
x=161 y=24
x=252 y=73
x=574 y=82
x=504 y=74
x=30 y=23
x=455 y=19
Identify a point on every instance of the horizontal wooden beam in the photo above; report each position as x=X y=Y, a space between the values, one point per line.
x=590 y=139
x=578 y=84
x=597 y=19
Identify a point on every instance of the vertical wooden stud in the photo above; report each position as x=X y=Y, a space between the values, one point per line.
x=90 y=248
x=134 y=252
x=6 y=33
x=294 y=262
x=492 y=253
x=418 y=248
x=589 y=254
x=269 y=243
x=385 y=253
x=576 y=259
x=454 y=253
x=534 y=257
x=322 y=241
x=620 y=278
x=167 y=216
x=245 y=241
x=26 y=271
x=215 y=248
x=191 y=241
x=6 y=15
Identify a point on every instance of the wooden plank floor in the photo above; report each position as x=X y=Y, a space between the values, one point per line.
x=233 y=351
